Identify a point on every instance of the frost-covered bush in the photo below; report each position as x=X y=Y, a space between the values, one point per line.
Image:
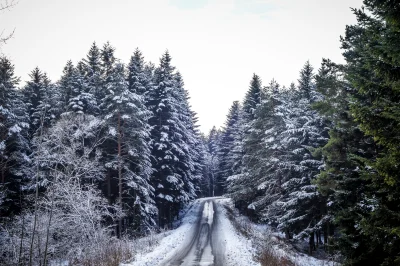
x=68 y=223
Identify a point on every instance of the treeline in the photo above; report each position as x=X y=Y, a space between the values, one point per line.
x=320 y=160
x=109 y=150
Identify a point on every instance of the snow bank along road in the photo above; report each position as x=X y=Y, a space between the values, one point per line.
x=206 y=237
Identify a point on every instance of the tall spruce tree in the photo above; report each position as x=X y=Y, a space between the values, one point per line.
x=252 y=99
x=305 y=131
x=138 y=79
x=228 y=142
x=263 y=155
x=74 y=89
x=49 y=106
x=372 y=55
x=128 y=152
x=212 y=159
x=167 y=140
x=14 y=143
x=251 y=102
x=90 y=68
x=344 y=179
x=192 y=160
x=33 y=95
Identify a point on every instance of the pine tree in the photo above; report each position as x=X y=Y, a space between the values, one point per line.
x=74 y=91
x=251 y=102
x=91 y=69
x=228 y=137
x=305 y=131
x=231 y=159
x=372 y=55
x=66 y=84
x=107 y=64
x=252 y=99
x=212 y=159
x=170 y=149
x=343 y=180
x=192 y=160
x=33 y=95
x=263 y=156
x=128 y=151
x=49 y=105
x=14 y=145
x=138 y=80
x=43 y=99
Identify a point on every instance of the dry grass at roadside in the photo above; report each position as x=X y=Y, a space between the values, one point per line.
x=113 y=254
x=269 y=258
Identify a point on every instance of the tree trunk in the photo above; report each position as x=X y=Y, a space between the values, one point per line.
x=109 y=187
x=326 y=230
x=3 y=176
x=35 y=217
x=288 y=235
x=37 y=192
x=20 y=263
x=311 y=243
x=119 y=174
x=319 y=237
x=48 y=230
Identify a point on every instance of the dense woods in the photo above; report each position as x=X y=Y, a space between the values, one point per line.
x=319 y=160
x=112 y=151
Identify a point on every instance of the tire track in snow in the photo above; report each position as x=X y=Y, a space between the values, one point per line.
x=203 y=246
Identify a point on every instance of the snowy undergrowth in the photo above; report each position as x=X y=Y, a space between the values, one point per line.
x=268 y=244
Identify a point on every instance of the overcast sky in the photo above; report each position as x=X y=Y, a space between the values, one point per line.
x=216 y=44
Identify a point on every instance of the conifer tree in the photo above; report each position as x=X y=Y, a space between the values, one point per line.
x=138 y=80
x=305 y=131
x=252 y=99
x=372 y=55
x=128 y=152
x=91 y=69
x=170 y=148
x=49 y=106
x=251 y=102
x=212 y=159
x=231 y=154
x=66 y=84
x=263 y=155
x=33 y=94
x=14 y=145
x=343 y=180
x=192 y=159
x=228 y=143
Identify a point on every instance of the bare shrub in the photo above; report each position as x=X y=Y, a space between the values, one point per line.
x=111 y=254
x=268 y=257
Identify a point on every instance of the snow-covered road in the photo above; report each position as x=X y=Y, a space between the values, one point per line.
x=206 y=237
x=201 y=250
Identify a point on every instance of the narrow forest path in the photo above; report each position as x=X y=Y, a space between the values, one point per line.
x=205 y=238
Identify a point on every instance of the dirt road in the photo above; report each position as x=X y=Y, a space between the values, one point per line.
x=204 y=246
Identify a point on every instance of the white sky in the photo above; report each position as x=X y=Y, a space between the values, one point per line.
x=216 y=44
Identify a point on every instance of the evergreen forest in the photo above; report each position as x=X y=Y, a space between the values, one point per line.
x=112 y=151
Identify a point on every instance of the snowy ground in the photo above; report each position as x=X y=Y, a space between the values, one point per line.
x=205 y=237
x=261 y=237
x=213 y=233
